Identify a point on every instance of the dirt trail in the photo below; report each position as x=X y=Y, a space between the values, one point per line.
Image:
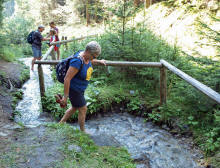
x=31 y=147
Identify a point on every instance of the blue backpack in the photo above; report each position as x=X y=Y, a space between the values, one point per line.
x=30 y=38
x=63 y=66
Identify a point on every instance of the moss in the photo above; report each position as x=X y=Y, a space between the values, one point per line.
x=2 y=74
x=25 y=74
x=16 y=97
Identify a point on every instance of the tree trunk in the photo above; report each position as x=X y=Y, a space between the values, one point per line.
x=137 y=3
x=87 y=13
x=96 y=11
x=123 y=22
x=148 y=3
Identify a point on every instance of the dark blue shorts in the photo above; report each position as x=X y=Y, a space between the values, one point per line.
x=36 y=52
x=77 y=98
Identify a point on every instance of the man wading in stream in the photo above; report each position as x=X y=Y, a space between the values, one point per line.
x=77 y=79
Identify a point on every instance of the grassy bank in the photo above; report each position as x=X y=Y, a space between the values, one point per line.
x=72 y=149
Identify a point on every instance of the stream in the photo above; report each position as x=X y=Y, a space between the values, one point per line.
x=149 y=145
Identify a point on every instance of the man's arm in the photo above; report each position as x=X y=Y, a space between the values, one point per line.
x=45 y=39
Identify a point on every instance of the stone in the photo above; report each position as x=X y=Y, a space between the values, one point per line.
x=75 y=148
x=132 y=92
x=141 y=166
x=3 y=134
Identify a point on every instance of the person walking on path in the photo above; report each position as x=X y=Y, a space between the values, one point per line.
x=77 y=79
x=53 y=26
x=36 y=45
x=53 y=38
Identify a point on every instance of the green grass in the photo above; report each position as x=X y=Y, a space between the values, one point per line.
x=15 y=153
x=25 y=74
x=91 y=155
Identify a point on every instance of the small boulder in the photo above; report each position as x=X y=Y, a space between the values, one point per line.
x=75 y=148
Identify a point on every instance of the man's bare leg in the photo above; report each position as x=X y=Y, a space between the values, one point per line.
x=32 y=63
x=67 y=114
x=58 y=53
x=82 y=117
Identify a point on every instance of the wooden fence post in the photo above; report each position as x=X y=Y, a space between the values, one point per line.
x=163 y=86
x=66 y=46
x=41 y=82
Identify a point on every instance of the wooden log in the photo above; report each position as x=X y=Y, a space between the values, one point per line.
x=198 y=85
x=75 y=39
x=163 y=86
x=48 y=52
x=114 y=63
x=41 y=80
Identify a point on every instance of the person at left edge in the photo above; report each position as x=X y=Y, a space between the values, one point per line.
x=36 y=45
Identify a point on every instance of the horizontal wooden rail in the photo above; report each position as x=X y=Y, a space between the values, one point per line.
x=66 y=41
x=162 y=64
x=113 y=63
x=198 y=85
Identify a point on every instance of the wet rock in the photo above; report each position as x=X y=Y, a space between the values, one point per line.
x=165 y=127
x=139 y=157
x=105 y=140
x=3 y=134
x=99 y=116
x=142 y=161
x=132 y=92
x=141 y=166
x=75 y=148
x=12 y=126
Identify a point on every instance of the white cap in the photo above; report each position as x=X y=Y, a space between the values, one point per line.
x=41 y=26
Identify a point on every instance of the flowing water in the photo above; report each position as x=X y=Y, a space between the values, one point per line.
x=149 y=145
x=30 y=106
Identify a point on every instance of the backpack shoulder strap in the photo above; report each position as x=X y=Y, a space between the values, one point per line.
x=77 y=57
x=81 y=62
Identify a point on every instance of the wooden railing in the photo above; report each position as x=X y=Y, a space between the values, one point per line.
x=51 y=52
x=163 y=65
x=198 y=85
